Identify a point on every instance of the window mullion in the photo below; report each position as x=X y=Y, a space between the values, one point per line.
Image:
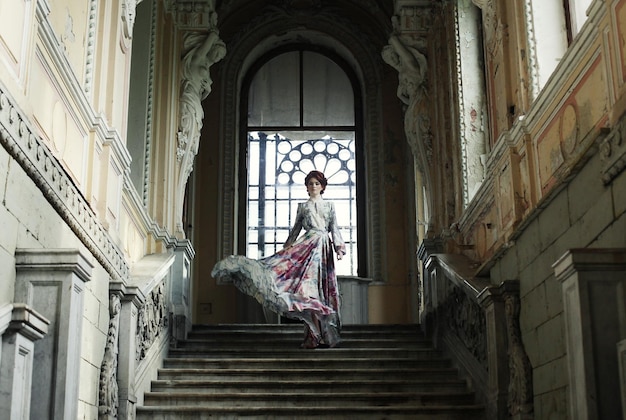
x=261 y=213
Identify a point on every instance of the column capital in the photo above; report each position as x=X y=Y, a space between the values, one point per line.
x=589 y=259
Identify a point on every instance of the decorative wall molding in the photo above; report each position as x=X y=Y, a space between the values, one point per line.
x=29 y=150
x=533 y=62
x=152 y=320
x=150 y=110
x=613 y=152
x=461 y=91
x=129 y=12
x=191 y=14
x=91 y=46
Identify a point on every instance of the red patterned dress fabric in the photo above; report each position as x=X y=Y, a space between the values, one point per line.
x=299 y=281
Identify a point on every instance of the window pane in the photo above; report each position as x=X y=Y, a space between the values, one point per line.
x=253 y=214
x=293 y=156
x=253 y=155
x=282 y=214
x=253 y=252
x=328 y=97
x=270 y=220
x=253 y=236
x=274 y=98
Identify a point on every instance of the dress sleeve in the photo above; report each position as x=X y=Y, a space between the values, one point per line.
x=297 y=227
x=338 y=243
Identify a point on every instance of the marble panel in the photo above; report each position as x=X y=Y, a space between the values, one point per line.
x=51 y=281
x=69 y=21
x=16 y=21
x=619 y=16
x=591 y=279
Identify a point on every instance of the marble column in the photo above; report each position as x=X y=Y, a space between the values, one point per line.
x=20 y=327
x=354 y=299
x=593 y=283
x=181 y=304
x=52 y=281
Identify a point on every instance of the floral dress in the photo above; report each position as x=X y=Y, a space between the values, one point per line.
x=299 y=281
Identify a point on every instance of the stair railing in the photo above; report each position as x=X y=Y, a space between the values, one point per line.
x=147 y=313
x=477 y=324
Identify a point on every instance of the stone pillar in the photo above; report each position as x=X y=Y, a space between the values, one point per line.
x=127 y=355
x=133 y=294
x=181 y=299
x=427 y=248
x=20 y=327
x=354 y=301
x=492 y=300
x=621 y=356
x=510 y=373
x=51 y=282
x=592 y=282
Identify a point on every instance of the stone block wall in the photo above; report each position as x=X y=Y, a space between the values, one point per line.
x=29 y=222
x=584 y=214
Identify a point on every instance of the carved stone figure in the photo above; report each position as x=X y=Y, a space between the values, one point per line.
x=151 y=321
x=201 y=52
x=402 y=54
x=411 y=65
x=108 y=391
x=520 y=401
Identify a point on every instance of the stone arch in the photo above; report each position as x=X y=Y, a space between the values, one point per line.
x=269 y=32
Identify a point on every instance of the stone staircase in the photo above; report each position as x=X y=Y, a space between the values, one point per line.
x=259 y=372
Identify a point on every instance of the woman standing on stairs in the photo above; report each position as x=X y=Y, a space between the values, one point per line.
x=299 y=281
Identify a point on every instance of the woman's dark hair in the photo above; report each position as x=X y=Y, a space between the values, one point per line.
x=319 y=176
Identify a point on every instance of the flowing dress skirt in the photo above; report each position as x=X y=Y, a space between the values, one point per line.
x=298 y=282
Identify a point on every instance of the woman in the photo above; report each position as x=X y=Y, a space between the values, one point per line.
x=299 y=281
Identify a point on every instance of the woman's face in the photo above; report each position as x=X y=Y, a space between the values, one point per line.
x=314 y=187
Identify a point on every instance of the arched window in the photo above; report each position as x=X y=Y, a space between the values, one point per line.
x=301 y=116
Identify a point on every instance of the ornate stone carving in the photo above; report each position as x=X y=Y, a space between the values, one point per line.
x=201 y=51
x=466 y=319
x=533 y=63
x=569 y=131
x=520 y=400
x=149 y=113
x=613 y=152
x=129 y=11
x=108 y=398
x=91 y=45
x=29 y=150
x=191 y=14
x=152 y=320
x=402 y=54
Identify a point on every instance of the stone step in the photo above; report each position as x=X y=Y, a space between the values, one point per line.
x=305 y=399
x=284 y=373
x=433 y=412
x=260 y=372
x=298 y=332
x=313 y=385
x=251 y=352
x=298 y=327
x=329 y=362
x=294 y=342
